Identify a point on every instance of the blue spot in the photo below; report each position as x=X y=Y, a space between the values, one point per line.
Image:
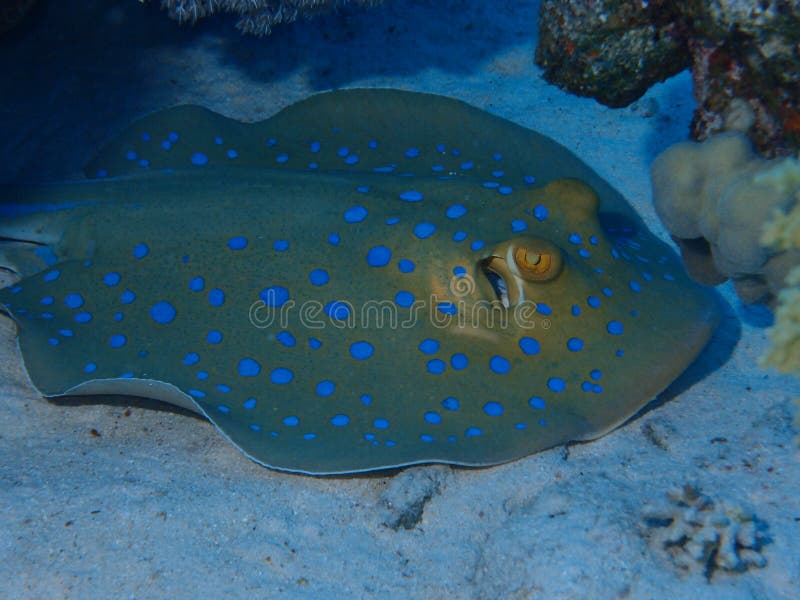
x=490 y=184
x=82 y=317
x=614 y=328
x=498 y=174
x=52 y=275
x=90 y=367
x=593 y=301
x=287 y=339
x=456 y=211
x=281 y=376
x=411 y=196
x=392 y=220
x=433 y=418
x=499 y=365
x=529 y=345
x=111 y=279
x=291 y=421
x=118 y=316
x=73 y=300
x=467 y=165
x=363 y=189
x=575 y=344
x=231 y=153
x=540 y=212
x=459 y=271
x=473 y=432
x=53 y=341
x=518 y=225
x=476 y=245
x=342 y=152
x=315 y=147
x=202 y=375
x=281 y=158
x=379 y=256
x=436 y=366
x=520 y=426
x=619 y=352
x=197 y=284
x=584 y=253
x=248 y=367
x=429 y=346
x=356 y=214
x=404 y=298
x=281 y=245
x=459 y=361
x=593 y=240
x=318 y=277
x=351 y=160
x=372 y=144
x=424 y=230
x=426 y=438
x=166 y=145
x=225 y=389
x=140 y=250
x=574 y=238
x=493 y=409
x=411 y=153
x=497 y=156
x=450 y=404
x=536 y=402
x=635 y=286
x=333 y=239
x=249 y=404
x=556 y=384
x=380 y=424
x=337 y=309
x=192 y=358
x=197 y=393
x=459 y=236
x=596 y=374
x=199 y=159
x=544 y=309
x=607 y=292
x=130 y=155
x=237 y=243
x=586 y=386
x=173 y=137
x=216 y=297
x=163 y=312
x=275 y=295
x=47 y=300
x=361 y=350
x=505 y=190
x=576 y=310
x=340 y=420
x=314 y=343
x=447 y=308
x=117 y=340
x=366 y=399
x=529 y=179
x=405 y=265
x=214 y=336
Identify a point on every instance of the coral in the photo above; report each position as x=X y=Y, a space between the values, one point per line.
x=741 y=53
x=697 y=532
x=714 y=198
x=255 y=16
x=783 y=233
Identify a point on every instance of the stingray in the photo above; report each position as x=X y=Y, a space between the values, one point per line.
x=368 y=279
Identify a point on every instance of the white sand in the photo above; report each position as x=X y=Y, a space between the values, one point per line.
x=158 y=505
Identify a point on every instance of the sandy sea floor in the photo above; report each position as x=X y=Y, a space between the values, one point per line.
x=128 y=499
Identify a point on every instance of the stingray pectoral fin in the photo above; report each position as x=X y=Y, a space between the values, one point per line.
x=142 y=388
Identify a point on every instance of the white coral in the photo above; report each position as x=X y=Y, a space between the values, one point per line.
x=696 y=531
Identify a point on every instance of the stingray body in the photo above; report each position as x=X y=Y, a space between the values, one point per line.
x=368 y=279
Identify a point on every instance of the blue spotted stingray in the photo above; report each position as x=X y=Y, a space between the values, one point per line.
x=368 y=279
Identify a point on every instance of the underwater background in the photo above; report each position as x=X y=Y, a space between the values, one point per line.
x=123 y=497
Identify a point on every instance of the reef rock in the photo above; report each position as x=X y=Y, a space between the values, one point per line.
x=741 y=53
x=255 y=16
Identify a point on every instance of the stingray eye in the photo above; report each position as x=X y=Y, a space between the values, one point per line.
x=537 y=264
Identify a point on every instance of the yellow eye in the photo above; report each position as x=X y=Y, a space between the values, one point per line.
x=538 y=264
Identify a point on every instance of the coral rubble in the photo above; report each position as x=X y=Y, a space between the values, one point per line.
x=697 y=532
x=255 y=16
x=738 y=50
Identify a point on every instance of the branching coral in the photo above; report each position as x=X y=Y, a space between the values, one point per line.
x=255 y=16
x=695 y=531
